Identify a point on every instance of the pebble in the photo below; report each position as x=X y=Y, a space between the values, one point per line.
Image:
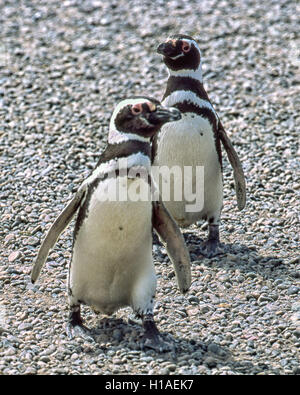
x=13 y=256
x=30 y=371
x=211 y=362
x=293 y=290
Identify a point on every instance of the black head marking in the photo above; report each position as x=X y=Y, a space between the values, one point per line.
x=135 y=118
x=142 y=116
x=180 y=52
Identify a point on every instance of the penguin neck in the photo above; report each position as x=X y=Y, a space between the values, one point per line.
x=120 y=156
x=125 y=149
x=131 y=153
x=190 y=73
x=187 y=84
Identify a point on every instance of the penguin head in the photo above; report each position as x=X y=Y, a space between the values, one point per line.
x=180 y=52
x=140 y=117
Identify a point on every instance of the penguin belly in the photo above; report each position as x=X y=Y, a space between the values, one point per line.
x=112 y=265
x=190 y=142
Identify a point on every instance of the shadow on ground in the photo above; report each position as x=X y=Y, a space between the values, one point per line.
x=186 y=354
x=237 y=255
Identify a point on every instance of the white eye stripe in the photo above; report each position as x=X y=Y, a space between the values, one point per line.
x=116 y=137
x=190 y=42
x=197 y=74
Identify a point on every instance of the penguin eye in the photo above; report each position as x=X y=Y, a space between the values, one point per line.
x=137 y=109
x=186 y=46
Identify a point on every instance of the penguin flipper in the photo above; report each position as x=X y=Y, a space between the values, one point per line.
x=238 y=173
x=154 y=146
x=169 y=232
x=54 y=232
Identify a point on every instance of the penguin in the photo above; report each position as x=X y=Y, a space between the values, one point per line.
x=194 y=141
x=112 y=264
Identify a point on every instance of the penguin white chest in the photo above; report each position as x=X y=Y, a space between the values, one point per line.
x=112 y=251
x=191 y=143
x=120 y=208
x=188 y=142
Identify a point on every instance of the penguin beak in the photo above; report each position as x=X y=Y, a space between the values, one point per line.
x=166 y=49
x=163 y=115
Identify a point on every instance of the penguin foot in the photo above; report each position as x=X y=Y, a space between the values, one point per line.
x=156 y=344
x=74 y=331
x=135 y=319
x=211 y=248
x=75 y=325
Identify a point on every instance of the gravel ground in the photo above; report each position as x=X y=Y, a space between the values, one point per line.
x=63 y=66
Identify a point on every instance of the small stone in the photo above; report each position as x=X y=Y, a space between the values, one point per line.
x=296 y=370
x=193 y=299
x=30 y=371
x=293 y=290
x=264 y=298
x=171 y=367
x=165 y=371
x=210 y=362
x=13 y=256
x=117 y=334
x=45 y=359
x=216 y=349
x=24 y=326
x=296 y=317
x=296 y=306
x=204 y=309
x=9 y=238
x=32 y=241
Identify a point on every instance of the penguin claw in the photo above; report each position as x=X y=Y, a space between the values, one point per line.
x=74 y=331
x=134 y=319
x=211 y=248
x=156 y=344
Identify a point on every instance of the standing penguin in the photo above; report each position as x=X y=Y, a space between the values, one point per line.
x=112 y=264
x=195 y=140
